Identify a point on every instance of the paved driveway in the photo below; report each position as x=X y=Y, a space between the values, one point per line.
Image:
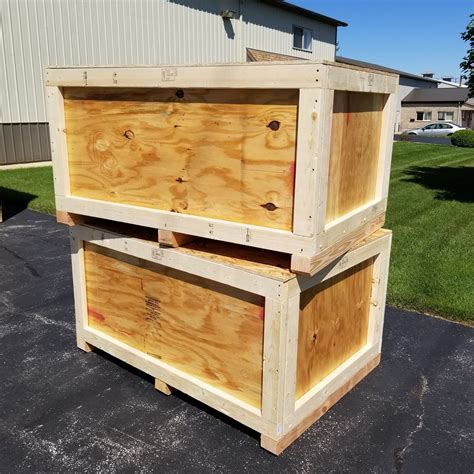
x=64 y=410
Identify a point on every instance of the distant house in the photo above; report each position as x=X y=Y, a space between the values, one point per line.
x=422 y=106
x=445 y=81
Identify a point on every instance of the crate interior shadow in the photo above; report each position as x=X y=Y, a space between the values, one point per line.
x=450 y=183
x=12 y=202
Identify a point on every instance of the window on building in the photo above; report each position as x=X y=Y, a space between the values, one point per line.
x=302 y=38
x=423 y=116
x=447 y=116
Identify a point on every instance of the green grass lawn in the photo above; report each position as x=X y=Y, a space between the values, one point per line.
x=28 y=187
x=431 y=213
x=430 y=210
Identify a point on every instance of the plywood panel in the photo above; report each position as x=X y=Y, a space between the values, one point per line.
x=354 y=152
x=333 y=324
x=225 y=154
x=274 y=265
x=204 y=328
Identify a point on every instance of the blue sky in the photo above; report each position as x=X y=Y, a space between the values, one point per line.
x=412 y=35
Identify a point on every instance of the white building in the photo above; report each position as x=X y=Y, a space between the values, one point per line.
x=37 y=33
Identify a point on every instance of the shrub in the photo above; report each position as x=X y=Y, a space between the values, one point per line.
x=464 y=138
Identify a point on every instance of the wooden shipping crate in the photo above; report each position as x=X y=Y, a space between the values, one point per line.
x=232 y=326
x=292 y=157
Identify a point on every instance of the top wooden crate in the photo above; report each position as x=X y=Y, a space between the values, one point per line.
x=293 y=157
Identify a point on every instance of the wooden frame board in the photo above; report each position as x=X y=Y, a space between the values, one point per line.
x=311 y=237
x=281 y=417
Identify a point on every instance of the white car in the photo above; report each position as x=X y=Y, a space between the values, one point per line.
x=439 y=129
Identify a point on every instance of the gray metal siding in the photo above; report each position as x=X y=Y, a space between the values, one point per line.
x=24 y=143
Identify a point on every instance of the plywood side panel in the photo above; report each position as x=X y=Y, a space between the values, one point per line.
x=204 y=328
x=224 y=154
x=354 y=151
x=333 y=324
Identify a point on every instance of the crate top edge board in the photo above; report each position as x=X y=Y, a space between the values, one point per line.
x=283 y=75
x=222 y=64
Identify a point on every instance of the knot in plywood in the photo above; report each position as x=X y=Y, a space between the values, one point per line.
x=269 y=206
x=274 y=125
x=129 y=134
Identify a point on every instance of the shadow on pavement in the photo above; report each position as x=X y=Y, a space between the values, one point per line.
x=451 y=183
x=13 y=202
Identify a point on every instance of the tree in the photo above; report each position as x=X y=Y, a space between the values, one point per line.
x=467 y=64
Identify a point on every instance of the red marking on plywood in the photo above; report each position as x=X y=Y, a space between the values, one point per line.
x=92 y=313
x=292 y=174
x=261 y=313
x=348 y=117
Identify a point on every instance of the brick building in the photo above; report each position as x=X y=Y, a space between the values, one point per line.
x=422 y=106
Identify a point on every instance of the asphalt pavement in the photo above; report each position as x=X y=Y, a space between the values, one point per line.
x=64 y=410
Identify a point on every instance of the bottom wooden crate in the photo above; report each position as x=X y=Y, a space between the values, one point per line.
x=232 y=326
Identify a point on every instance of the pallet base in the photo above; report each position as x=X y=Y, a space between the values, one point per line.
x=163 y=387
x=70 y=219
x=174 y=239
x=83 y=345
x=277 y=446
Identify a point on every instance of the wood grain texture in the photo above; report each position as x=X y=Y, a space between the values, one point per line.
x=310 y=265
x=163 y=387
x=277 y=446
x=204 y=328
x=333 y=324
x=174 y=239
x=70 y=219
x=224 y=154
x=274 y=265
x=354 y=151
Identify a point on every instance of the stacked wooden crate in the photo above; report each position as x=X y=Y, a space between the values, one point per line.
x=226 y=228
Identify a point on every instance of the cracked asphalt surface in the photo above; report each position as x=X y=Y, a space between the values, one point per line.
x=64 y=410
